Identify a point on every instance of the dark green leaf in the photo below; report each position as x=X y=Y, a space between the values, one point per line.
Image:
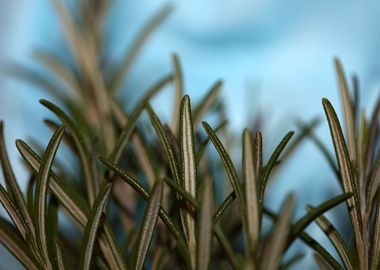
x=93 y=224
x=147 y=226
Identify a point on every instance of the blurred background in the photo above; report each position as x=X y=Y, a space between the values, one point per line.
x=275 y=58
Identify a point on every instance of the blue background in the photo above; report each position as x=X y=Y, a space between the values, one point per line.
x=275 y=57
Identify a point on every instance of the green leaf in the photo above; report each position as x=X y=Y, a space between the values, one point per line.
x=130 y=121
x=124 y=66
x=13 y=242
x=249 y=173
x=147 y=226
x=306 y=129
x=225 y=244
x=205 y=228
x=42 y=183
x=374 y=238
x=178 y=92
x=166 y=144
x=372 y=137
x=144 y=194
x=258 y=155
x=335 y=239
x=224 y=206
x=60 y=262
x=231 y=171
x=309 y=217
x=15 y=216
x=321 y=263
x=204 y=143
x=183 y=194
x=80 y=144
x=348 y=110
x=93 y=224
x=373 y=185
x=271 y=163
x=312 y=243
x=277 y=242
x=67 y=197
x=346 y=174
x=75 y=207
x=189 y=172
x=325 y=152
x=12 y=186
x=62 y=71
x=206 y=103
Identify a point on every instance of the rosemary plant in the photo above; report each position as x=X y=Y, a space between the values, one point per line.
x=358 y=172
x=170 y=174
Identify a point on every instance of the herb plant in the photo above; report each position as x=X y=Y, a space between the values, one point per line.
x=170 y=175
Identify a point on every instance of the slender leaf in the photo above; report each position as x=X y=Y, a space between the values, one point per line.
x=144 y=194
x=93 y=224
x=271 y=163
x=13 y=187
x=42 y=183
x=258 y=155
x=83 y=151
x=189 y=171
x=224 y=206
x=309 y=217
x=231 y=171
x=205 y=228
x=335 y=239
x=347 y=176
x=253 y=219
x=126 y=61
x=208 y=101
x=348 y=110
x=375 y=236
x=130 y=121
x=13 y=242
x=321 y=263
x=75 y=207
x=278 y=240
x=147 y=226
x=166 y=144
x=178 y=92
x=312 y=243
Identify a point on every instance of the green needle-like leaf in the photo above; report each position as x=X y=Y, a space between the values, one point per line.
x=13 y=242
x=80 y=144
x=231 y=171
x=147 y=226
x=123 y=68
x=206 y=103
x=165 y=143
x=271 y=163
x=42 y=183
x=205 y=227
x=335 y=239
x=75 y=206
x=311 y=242
x=178 y=92
x=277 y=243
x=13 y=187
x=346 y=174
x=348 y=110
x=375 y=236
x=303 y=222
x=188 y=168
x=144 y=194
x=93 y=224
x=130 y=122
x=249 y=172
